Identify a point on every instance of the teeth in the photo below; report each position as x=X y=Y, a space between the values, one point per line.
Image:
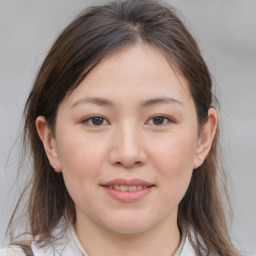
x=132 y=188
x=123 y=188
x=127 y=188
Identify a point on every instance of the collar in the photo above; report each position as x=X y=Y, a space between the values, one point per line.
x=67 y=243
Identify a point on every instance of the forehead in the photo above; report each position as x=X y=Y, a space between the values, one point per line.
x=140 y=70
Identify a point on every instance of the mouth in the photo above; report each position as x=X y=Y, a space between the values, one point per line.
x=128 y=190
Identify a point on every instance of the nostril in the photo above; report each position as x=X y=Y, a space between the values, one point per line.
x=127 y=158
x=129 y=165
x=138 y=163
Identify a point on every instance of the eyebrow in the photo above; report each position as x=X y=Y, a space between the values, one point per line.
x=106 y=102
x=94 y=100
x=161 y=100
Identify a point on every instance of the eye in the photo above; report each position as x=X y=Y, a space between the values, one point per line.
x=95 y=121
x=160 y=120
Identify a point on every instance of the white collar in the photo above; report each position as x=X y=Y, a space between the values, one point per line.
x=64 y=245
x=68 y=244
x=188 y=250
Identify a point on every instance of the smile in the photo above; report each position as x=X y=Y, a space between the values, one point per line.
x=127 y=188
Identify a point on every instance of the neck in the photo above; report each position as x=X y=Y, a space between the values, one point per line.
x=162 y=239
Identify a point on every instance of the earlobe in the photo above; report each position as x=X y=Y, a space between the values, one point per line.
x=49 y=142
x=205 y=140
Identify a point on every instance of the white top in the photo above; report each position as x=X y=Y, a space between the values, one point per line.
x=69 y=245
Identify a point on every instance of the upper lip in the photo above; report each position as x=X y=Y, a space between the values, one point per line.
x=127 y=182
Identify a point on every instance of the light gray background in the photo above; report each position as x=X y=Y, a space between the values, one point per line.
x=226 y=33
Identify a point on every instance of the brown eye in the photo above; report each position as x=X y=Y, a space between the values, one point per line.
x=160 y=120
x=95 y=121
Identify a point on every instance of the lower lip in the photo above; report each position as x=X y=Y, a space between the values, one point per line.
x=127 y=196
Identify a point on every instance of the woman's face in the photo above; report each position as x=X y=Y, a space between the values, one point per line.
x=126 y=142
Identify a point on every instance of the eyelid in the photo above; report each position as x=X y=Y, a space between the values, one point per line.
x=89 y=118
x=166 y=117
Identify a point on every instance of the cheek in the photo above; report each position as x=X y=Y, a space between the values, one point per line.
x=174 y=161
x=175 y=152
x=80 y=159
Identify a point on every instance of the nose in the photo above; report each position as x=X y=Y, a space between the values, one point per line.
x=127 y=147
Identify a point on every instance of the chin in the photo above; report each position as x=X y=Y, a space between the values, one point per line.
x=128 y=229
x=128 y=226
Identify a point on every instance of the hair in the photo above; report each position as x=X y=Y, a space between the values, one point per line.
x=95 y=34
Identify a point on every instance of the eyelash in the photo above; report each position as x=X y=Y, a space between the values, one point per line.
x=88 y=121
x=166 y=119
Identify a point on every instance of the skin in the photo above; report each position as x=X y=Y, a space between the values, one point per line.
x=128 y=142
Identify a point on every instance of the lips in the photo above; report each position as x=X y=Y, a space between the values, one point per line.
x=127 y=190
x=128 y=185
x=124 y=182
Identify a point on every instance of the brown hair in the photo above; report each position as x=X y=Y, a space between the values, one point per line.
x=93 y=35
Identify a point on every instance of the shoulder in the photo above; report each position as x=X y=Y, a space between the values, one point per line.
x=188 y=249
x=12 y=250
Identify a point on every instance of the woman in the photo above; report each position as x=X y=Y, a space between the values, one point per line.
x=123 y=134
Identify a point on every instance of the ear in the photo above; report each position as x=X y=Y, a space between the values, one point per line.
x=206 y=137
x=48 y=141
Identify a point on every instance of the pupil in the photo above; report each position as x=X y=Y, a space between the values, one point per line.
x=97 y=120
x=158 y=120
